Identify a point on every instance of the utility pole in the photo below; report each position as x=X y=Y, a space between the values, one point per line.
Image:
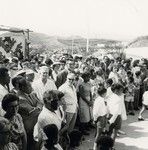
x=72 y=46
x=87 y=45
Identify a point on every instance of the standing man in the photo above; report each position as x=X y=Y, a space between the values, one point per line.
x=43 y=84
x=4 y=85
x=62 y=76
x=69 y=101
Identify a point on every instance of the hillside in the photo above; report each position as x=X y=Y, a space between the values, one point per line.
x=141 y=41
x=40 y=42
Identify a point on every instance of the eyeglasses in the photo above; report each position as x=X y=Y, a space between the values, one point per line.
x=71 y=79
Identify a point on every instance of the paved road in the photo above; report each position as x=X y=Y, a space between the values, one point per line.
x=136 y=137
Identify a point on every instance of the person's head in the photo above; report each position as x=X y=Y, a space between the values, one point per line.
x=56 y=66
x=15 y=81
x=136 y=63
x=44 y=70
x=10 y=103
x=102 y=92
x=105 y=143
x=62 y=64
x=115 y=69
x=4 y=131
x=30 y=75
x=86 y=76
x=70 y=78
x=129 y=73
x=77 y=73
x=4 y=76
x=131 y=80
x=117 y=89
x=99 y=72
x=76 y=64
x=6 y=62
x=51 y=132
x=25 y=64
x=106 y=59
x=48 y=62
x=24 y=86
x=138 y=73
x=51 y=99
x=70 y=65
x=75 y=138
x=109 y=82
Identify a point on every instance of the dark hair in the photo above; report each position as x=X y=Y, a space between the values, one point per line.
x=138 y=73
x=131 y=79
x=75 y=138
x=3 y=71
x=105 y=142
x=51 y=132
x=116 y=86
x=9 y=98
x=50 y=72
x=101 y=91
x=85 y=74
x=49 y=61
x=22 y=83
x=109 y=81
x=129 y=73
x=136 y=62
x=50 y=95
x=15 y=80
x=6 y=61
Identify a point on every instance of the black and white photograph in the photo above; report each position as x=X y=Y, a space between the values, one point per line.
x=73 y=74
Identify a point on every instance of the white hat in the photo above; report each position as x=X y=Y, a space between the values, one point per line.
x=29 y=71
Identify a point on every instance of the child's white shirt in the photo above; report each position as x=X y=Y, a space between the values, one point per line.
x=114 y=104
x=99 y=108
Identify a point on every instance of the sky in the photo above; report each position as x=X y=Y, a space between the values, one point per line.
x=116 y=19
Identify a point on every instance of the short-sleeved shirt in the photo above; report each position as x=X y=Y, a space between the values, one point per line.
x=99 y=108
x=46 y=117
x=70 y=97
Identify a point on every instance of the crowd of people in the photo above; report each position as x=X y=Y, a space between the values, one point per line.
x=50 y=104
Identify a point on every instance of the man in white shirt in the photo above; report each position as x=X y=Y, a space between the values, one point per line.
x=70 y=104
x=48 y=115
x=43 y=84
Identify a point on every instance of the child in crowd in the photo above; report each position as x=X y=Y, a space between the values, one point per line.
x=75 y=139
x=52 y=134
x=109 y=83
x=144 y=104
x=138 y=82
x=100 y=113
x=129 y=96
x=114 y=104
x=105 y=143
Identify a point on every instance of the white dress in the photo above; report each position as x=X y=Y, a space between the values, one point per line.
x=145 y=98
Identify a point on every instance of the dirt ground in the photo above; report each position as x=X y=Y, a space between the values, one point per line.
x=136 y=137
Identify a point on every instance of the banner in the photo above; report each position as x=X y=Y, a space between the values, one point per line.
x=12 y=45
